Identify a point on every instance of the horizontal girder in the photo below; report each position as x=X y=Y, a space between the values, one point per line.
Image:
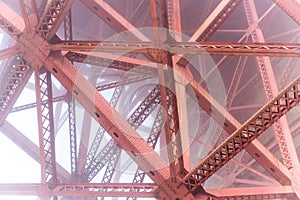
x=109 y=190
x=86 y=190
x=189 y=48
x=272 y=192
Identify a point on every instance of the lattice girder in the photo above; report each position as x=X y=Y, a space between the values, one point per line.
x=250 y=130
x=53 y=17
x=188 y=48
x=13 y=80
x=135 y=120
x=46 y=127
x=37 y=52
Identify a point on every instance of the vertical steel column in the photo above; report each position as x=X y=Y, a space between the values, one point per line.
x=168 y=97
x=73 y=137
x=169 y=103
x=46 y=127
x=174 y=28
x=68 y=33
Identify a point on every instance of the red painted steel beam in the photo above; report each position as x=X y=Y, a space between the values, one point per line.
x=114 y=159
x=68 y=35
x=154 y=17
x=282 y=131
x=80 y=190
x=188 y=48
x=264 y=159
x=115 y=20
x=173 y=23
x=251 y=169
x=212 y=23
x=34 y=9
x=95 y=164
x=250 y=130
x=84 y=138
x=73 y=136
x=162 y=177
x=106 y=190
x=53 y=17
x=263 y=19
x=13 y=80
x=215 y=20
x=112 y=61
x=258 y=151
x=68 y=30
x=91 y=155
x=123 y=82
x=11 y=22
x=152 y=140
x=111 y=17
x=25 y=16
x=171 y=127
x=272 y=192
x=160 y=17
x=8 y=52
x=45 y=117
x=16 y=78
x=114 y=124
x=291 y=7
x=146 y=107
x=174 y=18
x=281 y=127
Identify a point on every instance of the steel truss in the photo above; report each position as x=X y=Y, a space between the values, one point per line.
x=40 y=50
x=46 y=127
x=249 y=131
x=191 y=48
x=77 y=190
